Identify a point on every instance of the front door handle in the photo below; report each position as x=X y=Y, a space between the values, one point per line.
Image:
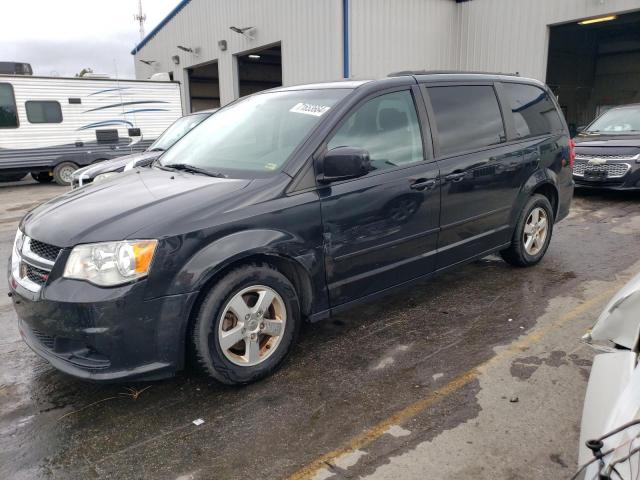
x=423 y=184
x=455 y=177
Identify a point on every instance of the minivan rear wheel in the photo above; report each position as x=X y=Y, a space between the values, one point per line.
x=246 y=325
x=532 y=234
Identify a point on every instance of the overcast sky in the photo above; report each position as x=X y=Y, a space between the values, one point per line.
x=60 y=37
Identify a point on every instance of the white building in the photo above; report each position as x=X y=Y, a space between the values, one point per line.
x=590 y=66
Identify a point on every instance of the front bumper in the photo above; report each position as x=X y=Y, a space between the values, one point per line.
x=614 y=175
x=104 y=334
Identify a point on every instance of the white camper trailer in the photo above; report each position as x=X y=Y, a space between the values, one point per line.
x=50 y=126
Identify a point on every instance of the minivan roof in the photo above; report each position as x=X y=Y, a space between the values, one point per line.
x=407 y=77
x=350 y=84
x=449 y=72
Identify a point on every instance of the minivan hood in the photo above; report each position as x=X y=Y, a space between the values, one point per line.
x=119 y=207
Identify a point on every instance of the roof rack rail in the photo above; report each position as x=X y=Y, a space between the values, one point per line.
x=448 y=72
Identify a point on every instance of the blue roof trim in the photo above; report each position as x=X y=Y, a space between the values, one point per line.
x=345 y=39
x=159 y=27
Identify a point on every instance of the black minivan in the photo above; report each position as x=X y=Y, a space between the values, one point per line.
x=289 y=205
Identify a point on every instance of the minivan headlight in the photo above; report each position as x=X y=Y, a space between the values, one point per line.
x=111 y=263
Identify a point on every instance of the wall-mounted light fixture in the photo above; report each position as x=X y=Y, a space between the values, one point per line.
x=222 y=45
x=247 y=32
x=195 y=51
x=176 y=59
x=589 y=21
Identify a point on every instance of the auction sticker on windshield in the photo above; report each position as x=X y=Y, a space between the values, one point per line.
x=309 y=109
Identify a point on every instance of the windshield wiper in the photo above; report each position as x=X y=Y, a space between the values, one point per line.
x=185 y=167
x=157 y=149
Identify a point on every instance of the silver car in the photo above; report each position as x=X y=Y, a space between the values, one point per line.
x=100 y=171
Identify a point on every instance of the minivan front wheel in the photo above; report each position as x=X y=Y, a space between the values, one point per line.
x=532 y=234
x=246 y=325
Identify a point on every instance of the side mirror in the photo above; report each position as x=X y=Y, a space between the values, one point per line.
x=581 y=128
x=343 y=163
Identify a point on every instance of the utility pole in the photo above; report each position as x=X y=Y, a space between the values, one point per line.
x=140 y=18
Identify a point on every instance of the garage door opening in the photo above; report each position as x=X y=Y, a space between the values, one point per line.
x=259 y=70
x=204 y=87
x=595 y=66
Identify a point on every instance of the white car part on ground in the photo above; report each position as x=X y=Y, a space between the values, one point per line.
x=603 y=391
x=626 y=409
x=619 y=322
x=613 y=393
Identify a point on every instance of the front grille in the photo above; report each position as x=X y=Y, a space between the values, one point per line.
x=36 y=275
x=32 y=253
x=46 y=340
x=45 y=250
x=612 y=170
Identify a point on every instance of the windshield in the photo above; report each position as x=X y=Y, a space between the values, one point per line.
x=618 y=120
x=254 y=136
x=176 y=131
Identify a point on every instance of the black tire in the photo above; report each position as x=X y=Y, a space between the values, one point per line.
x=42 y=177
x=517 y=254
x=60 y=173
x=11 y=177
x=207 y=352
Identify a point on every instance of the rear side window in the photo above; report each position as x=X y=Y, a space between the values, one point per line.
x=43 y=112
x=8 y=110
x=467 y=117
x=533 y=111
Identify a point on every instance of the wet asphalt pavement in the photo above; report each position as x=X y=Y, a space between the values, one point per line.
x=476 y=374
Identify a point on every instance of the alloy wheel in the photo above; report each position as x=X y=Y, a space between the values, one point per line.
x=536 y=230
x=252 y=325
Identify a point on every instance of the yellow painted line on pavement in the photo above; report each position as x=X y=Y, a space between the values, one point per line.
x=370 y=435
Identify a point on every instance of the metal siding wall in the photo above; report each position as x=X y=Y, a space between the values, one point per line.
x=393 y=35
x=385 y=36
x=513 y=35
x=310 y=32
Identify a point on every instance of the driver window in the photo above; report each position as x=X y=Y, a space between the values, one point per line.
x=387 y=127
